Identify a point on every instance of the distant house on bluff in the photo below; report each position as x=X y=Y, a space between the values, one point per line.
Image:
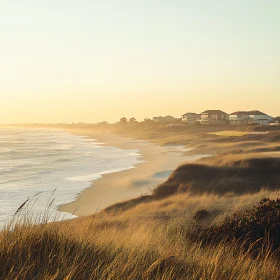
x=249 y=117
x=190 y=118
x=213 y=117
x=257 y=117
x=239 y=117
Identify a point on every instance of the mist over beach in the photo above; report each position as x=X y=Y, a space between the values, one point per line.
x=45 y=161
x=139 y=140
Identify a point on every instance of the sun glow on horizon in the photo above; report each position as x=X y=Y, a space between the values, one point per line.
x=64 y=61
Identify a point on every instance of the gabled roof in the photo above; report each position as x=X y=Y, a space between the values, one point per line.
x=256 y=112
x=240 y=113
x=253 y=112
x=189 y=114
x=213 y=112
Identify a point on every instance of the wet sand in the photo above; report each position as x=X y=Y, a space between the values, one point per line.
x=158 y=163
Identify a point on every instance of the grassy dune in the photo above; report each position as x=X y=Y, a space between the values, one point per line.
x=148 y=241
x=156 y=236
x=221 y=176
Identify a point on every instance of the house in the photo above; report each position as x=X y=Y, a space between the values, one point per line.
x=249 y=117
x=190 y=118
x=213 y=117
x=257 y=117
x=239 y=117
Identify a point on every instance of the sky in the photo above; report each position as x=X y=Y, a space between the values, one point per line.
x=92 y=60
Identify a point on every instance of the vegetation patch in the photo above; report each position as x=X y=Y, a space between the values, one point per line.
x=256 y=229
x=201 y=215
x=235 y=176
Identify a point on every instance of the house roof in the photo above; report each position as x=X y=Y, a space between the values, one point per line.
x=240 y=113
x=189 y=114
x=256 y=112
x=213 y=112
x=253 y=112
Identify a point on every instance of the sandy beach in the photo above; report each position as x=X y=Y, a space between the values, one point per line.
x=157 y=164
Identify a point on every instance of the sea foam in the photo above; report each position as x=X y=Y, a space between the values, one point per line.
x=41 y=161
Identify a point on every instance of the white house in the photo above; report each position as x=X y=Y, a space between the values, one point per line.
x=213 y=117
x=238 y=117
x=257 y=117
x=190 y=118
x=249 y=117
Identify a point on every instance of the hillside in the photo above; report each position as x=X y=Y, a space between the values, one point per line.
x=188 y=227
x=149 y=241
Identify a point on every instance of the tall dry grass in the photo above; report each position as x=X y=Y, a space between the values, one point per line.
x=147 y=241
x=148 y=238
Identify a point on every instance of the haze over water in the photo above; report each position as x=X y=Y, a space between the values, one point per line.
x=41 y=161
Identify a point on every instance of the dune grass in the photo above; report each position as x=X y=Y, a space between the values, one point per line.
x=148 y=237
x=148 y=241
x=237 y=174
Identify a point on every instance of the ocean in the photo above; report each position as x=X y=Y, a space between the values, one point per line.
x=44 y=164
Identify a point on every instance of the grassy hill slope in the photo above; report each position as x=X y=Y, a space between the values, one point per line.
x=162 y=235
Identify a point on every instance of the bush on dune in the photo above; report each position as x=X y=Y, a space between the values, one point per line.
x=257 y=229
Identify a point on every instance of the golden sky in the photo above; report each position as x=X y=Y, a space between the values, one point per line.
x=71 y=61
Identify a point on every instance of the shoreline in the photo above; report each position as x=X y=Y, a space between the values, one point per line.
x=156 y=164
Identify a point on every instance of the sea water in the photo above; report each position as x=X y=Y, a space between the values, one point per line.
x=44 y=164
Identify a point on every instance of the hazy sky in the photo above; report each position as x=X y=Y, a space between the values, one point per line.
x=94 y=60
